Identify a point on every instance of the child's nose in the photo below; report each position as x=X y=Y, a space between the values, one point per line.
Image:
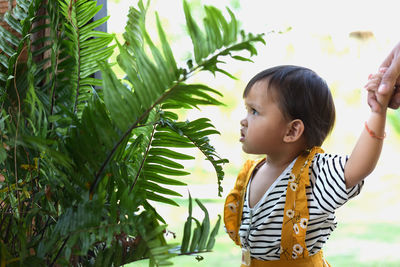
x=243 y=122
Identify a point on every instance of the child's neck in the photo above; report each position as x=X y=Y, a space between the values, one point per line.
x=283 y=159
x=267 y=173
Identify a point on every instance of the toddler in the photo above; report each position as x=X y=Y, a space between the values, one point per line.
x=282 y=208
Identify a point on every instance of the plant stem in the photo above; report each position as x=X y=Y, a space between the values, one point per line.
x=144 y=159
x=59 y=251
x=54 y=80
x=133 y=126
x=17 y=127
x=79 y=70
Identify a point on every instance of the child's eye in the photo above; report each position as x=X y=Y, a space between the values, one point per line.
x=254 y=112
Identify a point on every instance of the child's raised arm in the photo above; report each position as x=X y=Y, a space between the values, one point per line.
x=366 y=152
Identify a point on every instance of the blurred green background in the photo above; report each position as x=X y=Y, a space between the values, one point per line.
x=341 y=40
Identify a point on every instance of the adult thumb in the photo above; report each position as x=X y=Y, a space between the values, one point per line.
x=388 y=81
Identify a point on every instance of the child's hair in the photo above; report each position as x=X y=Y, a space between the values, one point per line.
x=301 y=94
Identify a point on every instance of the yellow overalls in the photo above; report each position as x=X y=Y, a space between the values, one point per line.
x=294 y=252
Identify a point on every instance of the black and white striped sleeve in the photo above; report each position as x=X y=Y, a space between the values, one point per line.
x=327 y=178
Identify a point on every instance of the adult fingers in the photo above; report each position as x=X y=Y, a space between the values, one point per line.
x=395 y=100
x=372 y=101
x=389 y=78
x=388 y=60
x=392 y=62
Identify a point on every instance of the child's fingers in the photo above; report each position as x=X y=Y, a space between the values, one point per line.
x=371 y=88
x=374 y=76
x=383 y=70
x=372 y=101
x=372 y=85
x=374 y=81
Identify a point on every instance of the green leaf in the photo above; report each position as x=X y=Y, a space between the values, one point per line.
x=214 y=232
x=119 y=100
x=212 y=24
x=4 y=60
x=226 y=73
x=165 y=75
x=149 y=74
x=166 y=49
x=84 y=31
x=3 y=154
x=165 y=162
x=95 y=46
x=190 y=130
x=196 y=35
x=7 y=36
x=187 y=229
x=6 y=48
x=233 y=27
x=86 y=12
x=155 y=197
x=171 y=143
x=196 y=236
x=164 y=134
x=170 y=115
x=217 y=14
x=242 y=58
x=169 y=153
x=205 y=226
x=152 y=176
x=163 y=170
x=158 y=189
x=3 y=77
x=14 y=23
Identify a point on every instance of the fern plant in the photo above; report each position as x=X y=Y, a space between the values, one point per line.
x=80 y=167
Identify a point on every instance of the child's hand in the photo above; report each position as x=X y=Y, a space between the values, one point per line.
x=376 y=101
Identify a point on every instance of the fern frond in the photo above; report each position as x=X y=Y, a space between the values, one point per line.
x=197 y=133
x=159 y=251
x=192 y=95
x=219 y=38
x=20 y=20
x=158 y=164
x=86 y=53
x=123 y=106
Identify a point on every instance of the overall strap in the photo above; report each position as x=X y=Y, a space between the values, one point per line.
x=234 y=201
x=296 y=216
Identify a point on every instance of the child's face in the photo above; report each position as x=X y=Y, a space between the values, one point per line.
x=265 y=126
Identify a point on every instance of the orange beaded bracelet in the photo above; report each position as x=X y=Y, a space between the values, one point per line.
x=372 y=134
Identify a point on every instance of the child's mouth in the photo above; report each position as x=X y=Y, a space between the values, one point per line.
x=241 y=136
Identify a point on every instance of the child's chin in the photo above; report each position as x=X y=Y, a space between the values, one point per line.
x=245 y=149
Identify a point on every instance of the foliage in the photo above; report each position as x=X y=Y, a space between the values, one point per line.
x=83 y=160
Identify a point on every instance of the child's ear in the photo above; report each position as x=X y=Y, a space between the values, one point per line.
x=294 y=131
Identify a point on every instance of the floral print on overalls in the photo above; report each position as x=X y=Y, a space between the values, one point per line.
x=296 y=216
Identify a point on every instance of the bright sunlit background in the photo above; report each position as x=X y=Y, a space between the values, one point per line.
x=343 y=41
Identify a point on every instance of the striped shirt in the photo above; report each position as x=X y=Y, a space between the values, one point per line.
x=327 y=192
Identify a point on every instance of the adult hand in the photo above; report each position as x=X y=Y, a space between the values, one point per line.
x=378 y=102
x=391 y=79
